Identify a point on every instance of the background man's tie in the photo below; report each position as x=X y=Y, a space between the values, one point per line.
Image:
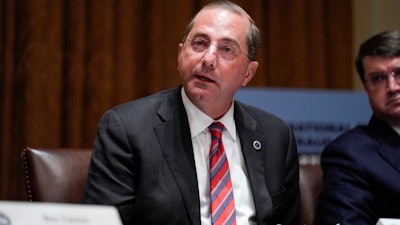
x=222 y=202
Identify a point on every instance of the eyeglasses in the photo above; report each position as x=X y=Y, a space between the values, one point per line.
x=381 y=79
x=227 y=50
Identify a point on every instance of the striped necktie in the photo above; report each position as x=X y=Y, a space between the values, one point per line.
x=221 y=197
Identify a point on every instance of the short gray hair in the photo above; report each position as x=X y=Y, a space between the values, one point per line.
x=253 y=34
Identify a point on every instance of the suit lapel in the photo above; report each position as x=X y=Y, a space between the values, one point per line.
x=178 y=152
x=390 y=141
x=255 y=161
x=390 y=149
x=391 y=155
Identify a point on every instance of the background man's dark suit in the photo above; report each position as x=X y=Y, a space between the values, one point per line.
x=154 y=180
x=364 y=165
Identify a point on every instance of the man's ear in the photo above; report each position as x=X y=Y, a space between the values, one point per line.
x=251 y=71
x=180 y=46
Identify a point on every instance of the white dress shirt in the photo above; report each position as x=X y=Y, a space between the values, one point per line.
x=397 y=129
x=201 y=140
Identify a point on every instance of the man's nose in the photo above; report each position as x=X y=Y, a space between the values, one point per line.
x=393 y=84
x=210 y=56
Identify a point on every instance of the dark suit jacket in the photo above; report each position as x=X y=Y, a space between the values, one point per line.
x=143 y=163
x=361 y=176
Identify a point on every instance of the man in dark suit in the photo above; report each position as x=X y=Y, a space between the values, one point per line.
x=362 y=166
x=151 y=155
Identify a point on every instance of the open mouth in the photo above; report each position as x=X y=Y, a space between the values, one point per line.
x=203 y=78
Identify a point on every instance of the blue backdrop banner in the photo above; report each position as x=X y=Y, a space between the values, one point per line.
x=316 y=116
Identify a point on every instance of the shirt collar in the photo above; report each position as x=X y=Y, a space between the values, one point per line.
x=397 y=129
x=199 y=121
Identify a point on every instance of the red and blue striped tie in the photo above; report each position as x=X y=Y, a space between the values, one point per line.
x=222 y=202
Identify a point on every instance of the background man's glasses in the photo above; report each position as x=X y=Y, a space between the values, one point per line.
x=381 y=79
x=227 y=50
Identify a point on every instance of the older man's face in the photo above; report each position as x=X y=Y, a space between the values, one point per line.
x=209 y=75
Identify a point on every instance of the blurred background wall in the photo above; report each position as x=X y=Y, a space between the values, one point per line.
x=64 y=62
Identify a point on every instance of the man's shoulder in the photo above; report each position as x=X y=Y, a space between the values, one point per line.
x=256 y=112
x=149 y=100
x=353 y=142
x=262 y=117
x=359 y=133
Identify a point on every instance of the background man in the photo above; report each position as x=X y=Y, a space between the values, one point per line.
x=362 y=167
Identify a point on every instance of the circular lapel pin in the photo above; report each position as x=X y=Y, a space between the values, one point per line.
x=256 y=145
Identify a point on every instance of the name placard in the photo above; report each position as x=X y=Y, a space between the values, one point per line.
x=35 y=213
